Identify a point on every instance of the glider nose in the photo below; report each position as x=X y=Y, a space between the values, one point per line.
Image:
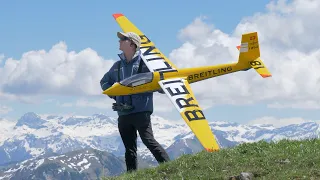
x=114 y=90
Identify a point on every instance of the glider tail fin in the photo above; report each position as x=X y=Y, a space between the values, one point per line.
x=250 y=54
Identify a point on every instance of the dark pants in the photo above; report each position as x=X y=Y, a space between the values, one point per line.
x=128 y=126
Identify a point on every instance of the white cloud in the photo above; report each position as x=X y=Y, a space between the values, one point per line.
x=1 y=58
x=280 y=122
x=5 y=109
x=104 y=103
x=162 y=103
x=289 y=45
x=309 y=104
x=288 y=35
x=287 y=25
x=54 y=72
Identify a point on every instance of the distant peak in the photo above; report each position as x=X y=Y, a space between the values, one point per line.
x=100 y=115
x=31 y=120
x=30 y=114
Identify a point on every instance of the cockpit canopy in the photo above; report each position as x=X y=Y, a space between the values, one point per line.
x=137 y=79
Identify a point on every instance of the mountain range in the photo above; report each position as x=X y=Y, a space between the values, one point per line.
x=87 y=147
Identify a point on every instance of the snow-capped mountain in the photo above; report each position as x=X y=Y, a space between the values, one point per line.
x=34 y=135
x=81 y=164
x=231 y=134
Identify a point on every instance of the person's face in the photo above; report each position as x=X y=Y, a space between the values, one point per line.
x=125 y=44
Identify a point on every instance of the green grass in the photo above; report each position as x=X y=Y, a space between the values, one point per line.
x=282 y=160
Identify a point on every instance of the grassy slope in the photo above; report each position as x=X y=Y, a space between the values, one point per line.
x=282 y=160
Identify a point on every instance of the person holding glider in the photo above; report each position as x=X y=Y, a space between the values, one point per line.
x=134 y=111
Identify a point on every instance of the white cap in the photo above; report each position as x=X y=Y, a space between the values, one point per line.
x=132 y=36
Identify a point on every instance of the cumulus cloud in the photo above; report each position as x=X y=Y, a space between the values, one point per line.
x=56 y=72
x=100 y=104
x=1 y=58
x=308 y=104
x=287 y=24
x=162 y=104
x=5 y=109
x=280 y=122
x=288 y=37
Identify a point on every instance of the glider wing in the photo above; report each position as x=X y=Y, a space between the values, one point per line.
x=151 y=55
x=180 y=93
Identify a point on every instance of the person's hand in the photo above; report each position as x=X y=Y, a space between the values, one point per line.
x=122 y=107
x=115 y=106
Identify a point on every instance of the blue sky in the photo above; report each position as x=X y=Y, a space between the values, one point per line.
x=81 y=24
x=39 y=25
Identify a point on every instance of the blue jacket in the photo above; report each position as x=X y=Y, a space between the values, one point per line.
x=142 y=101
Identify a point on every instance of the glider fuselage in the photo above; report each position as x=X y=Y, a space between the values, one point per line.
x=149 y=82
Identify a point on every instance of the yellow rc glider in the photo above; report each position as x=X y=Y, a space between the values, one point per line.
x=176 y=82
